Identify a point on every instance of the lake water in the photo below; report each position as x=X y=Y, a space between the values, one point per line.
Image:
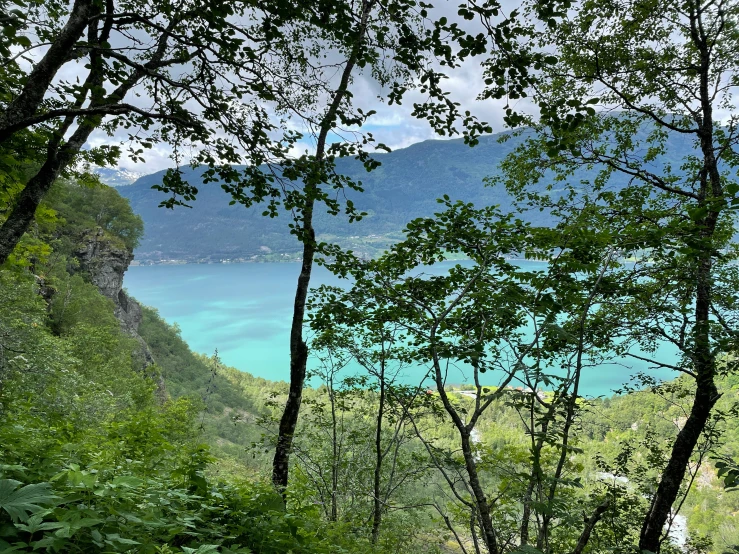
x=244 y=311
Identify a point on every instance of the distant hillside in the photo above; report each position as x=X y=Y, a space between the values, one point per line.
x=404 y=187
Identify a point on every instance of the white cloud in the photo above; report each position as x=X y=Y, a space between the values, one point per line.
x=391 y=125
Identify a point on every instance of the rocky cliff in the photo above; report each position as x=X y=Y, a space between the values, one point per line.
x=105 y=263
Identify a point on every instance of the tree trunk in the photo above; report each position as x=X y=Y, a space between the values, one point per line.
x=526 y=516
x=59 y=157
x=298 y=360
x=590 y=524
x=335 y=454
x=481 y=501
x=298 y=347
x=706 y=394
x=22 y=215
x=674 y=472
x=377 y=506
x=26 y=104
x=24 y=210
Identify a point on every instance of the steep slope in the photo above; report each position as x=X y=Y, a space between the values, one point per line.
x=405 y=186
x=231 y=400
x=91 y=459
x=75 y=289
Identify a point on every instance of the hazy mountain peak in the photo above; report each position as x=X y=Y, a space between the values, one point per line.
x=116 y=177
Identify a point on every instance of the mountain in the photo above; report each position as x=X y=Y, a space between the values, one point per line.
x=405 y=186
x=114 y=177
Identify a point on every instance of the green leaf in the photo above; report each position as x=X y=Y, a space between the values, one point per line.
x=203 y=549
x=127 y=481
x=19 y=503
x=35 y=523
x=526 y=549
x=24 y=41
x=115 y=537
x=5 y=547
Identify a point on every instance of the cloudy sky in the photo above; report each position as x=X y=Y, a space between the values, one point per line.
x=392 y=125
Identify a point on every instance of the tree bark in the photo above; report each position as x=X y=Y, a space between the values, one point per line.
x=481 y=501
x=59 y=157
x=706 y=394
x=335 y=454
x=674 y=472
x=590 y=524
x=526 y=515
x=28 y=101
x=24 y=210
x=298 y=346
x=377 y=505
x=298 y=361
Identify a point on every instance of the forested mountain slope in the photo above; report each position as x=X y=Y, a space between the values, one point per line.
x=405 y=186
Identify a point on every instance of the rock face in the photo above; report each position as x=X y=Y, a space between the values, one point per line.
x=105 y=263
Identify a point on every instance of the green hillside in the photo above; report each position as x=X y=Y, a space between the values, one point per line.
x=104 y=452
x=405 y=186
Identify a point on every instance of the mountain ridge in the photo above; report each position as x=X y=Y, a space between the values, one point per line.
x=405 y=186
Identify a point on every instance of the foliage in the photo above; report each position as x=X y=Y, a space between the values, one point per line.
x=479 y=316
x=71 y=211
x=655 y=73
x=232 y=400
x=82 y=208
x=94 y=460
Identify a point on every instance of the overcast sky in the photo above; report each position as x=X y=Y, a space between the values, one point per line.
x=393 y=125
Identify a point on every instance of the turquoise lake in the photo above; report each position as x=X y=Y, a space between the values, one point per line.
x=244 y=311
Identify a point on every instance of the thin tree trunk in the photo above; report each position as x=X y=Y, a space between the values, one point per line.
x=334 y=454
x=481 y=501
x=377 y=508
x=298 y=360
x=590 y=524
x=24 y=106
x=473 y=532
x=59 y=157
x=525 y=518
x=706 y=393
x=25 y=209
x=298 y=346
x=23 y=212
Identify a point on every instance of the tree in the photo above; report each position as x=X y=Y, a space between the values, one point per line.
x=247 y=70
x=227 y=83
x=347 y=334
x=373 y=31
x=535 y=327
x=313 y=178
x=197 y=75
x=662 y=72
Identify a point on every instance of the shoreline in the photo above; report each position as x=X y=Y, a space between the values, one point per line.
x=237 y=261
